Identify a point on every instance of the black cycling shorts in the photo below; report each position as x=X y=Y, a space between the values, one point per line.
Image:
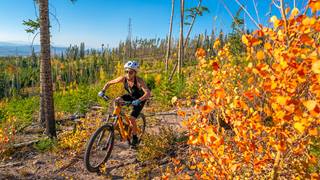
x=136 y=109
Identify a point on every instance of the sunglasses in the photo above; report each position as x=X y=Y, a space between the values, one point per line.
x=129 y=72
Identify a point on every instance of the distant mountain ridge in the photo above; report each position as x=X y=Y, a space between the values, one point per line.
x=23 y=49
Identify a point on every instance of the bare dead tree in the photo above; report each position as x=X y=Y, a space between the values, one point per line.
x=169 y=38
x=249 y=15
x=180 y=54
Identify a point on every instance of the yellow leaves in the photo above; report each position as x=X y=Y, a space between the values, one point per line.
x=216 y=44
x=280 y=114
x=211 y=104
x=294 y=12
x=235 y=167
x=283 y=63
x=103 y=168
x=282 y=100
x=246 y=40
x=299 y=126
x=308 y=21
x=211 y=134
x=260 y=55
x=193 y=139
x=158 y=79
x=174 y=99
x=275 y=21
x=203 y=63
x=281 y=35
x=250 y=41
x=290 y=108
x=310 y=104
x=267 y=46
x=316 y=67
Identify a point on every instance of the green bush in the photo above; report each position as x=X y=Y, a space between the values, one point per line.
x=2 y=115
x=76 y=101
x=315 y=151
x=25 y=109
x=45 y=144
x=22 y=109
x=168 y=89
x=150 y=81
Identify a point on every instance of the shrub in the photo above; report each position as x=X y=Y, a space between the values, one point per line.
x=23 y=110
x=156 y=145
x=45 y=144
x=278 y=81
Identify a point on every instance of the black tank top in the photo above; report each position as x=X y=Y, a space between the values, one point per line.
x=134 y=91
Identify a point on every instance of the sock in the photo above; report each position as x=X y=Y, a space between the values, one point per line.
x=135 y=136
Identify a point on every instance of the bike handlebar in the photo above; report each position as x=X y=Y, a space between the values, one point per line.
x=106 y=98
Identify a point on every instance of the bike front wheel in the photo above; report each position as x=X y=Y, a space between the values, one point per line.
x=99 y=148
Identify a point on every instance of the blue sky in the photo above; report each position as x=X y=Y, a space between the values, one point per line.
x=106 y=21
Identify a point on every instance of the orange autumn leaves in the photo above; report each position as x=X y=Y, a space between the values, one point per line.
x=7 y=132
x=314 y=5
x=271 y=99
x=200 y=53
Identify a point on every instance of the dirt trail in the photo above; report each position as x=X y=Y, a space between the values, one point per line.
x=27 y=163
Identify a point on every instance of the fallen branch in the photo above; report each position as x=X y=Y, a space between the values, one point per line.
x=11 y=164
x=95 y=108
x=71 y=118
x=25 y=143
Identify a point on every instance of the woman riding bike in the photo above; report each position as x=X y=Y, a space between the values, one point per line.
x=137 y=90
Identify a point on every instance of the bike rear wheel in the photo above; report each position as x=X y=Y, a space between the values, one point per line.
x=99 y=148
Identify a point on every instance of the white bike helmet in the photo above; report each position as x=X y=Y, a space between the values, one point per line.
x=132 y=65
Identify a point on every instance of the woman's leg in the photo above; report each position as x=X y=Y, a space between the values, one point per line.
x=134 y=115
x=133 y=125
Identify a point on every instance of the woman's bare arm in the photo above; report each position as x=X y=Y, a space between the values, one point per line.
x=145 y=89
x=114 y=81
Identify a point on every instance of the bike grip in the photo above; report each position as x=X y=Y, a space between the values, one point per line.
x=101 y=94
x=105 y=97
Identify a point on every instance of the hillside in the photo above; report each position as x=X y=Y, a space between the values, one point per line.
x=15 y=49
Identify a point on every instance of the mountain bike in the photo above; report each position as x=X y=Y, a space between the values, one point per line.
x=101 y=142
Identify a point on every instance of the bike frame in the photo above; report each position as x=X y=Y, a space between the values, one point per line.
x=119 y=121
